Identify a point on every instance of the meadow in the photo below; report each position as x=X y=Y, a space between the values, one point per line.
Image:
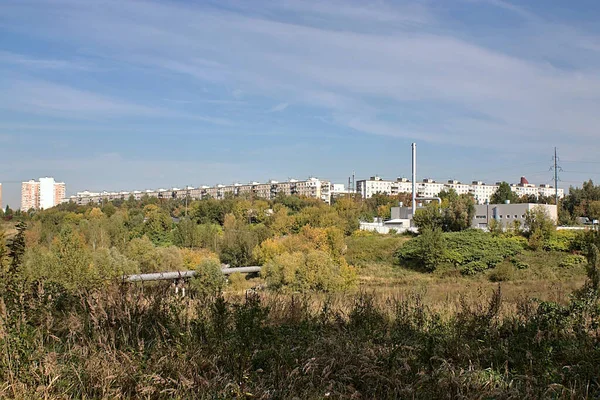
x=335 y=313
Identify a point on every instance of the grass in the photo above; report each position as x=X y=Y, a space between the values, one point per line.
x=135 y=342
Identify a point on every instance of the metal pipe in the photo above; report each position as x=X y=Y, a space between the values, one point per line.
x=175 y=275
x=439 y=199
x=414 y=178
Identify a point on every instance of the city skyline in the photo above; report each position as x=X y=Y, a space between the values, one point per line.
x=95 y=191
x=215 y=92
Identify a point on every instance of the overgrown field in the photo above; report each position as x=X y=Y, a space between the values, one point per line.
x=335 y=312
x=135 y=342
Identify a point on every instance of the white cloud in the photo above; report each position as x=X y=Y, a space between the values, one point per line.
x=279 y=107
x=357 y=62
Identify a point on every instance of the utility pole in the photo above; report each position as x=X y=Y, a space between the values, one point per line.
x=556 y=168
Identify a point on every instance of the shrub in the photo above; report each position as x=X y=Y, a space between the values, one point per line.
x=572 y=261
x=504 y=272
x=314 y=270
x=463 y=248
x=564 y=241
x=209 y=280
x=237 y=281
x=519 y=264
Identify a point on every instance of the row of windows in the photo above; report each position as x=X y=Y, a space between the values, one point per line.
x=500 y=216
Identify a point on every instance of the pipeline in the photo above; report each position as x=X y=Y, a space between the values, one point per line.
x=177 y=275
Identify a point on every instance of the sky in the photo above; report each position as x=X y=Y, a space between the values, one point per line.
x=140 y=94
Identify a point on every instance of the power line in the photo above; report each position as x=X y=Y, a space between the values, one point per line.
x=581 y=162
x=555 y=168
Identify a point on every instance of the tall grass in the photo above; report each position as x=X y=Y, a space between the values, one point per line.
x=136 y=342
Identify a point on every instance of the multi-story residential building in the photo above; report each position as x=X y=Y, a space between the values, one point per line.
x=30 y=195
x=312 y=187
x=42 y=194
x=480 y=191
x=60 y=192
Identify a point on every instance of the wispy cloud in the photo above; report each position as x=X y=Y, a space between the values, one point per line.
x=279 y=107
x=42 y=63
x=412 y=70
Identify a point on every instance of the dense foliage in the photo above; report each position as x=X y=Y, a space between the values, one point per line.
x=471 y=251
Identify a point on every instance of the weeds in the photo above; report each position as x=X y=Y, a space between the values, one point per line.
x=131 y=342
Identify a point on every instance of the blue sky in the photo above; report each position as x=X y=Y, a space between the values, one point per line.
x=119 y=95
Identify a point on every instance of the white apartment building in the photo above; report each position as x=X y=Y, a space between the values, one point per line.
x=43 y=194
x=311 y=187
x=480 y=191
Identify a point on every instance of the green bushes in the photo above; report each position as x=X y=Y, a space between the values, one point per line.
x=572 y=261
x=472 y=251
x=366 y=248
x=312 y=270
x=209 y=280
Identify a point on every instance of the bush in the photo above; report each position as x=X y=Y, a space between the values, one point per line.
x=462 y=249
x=237 y=281
x=519 y=264
x=564 y=241
x=209 y=280
x=572 y=261
x=504 y=272
x=314 y=270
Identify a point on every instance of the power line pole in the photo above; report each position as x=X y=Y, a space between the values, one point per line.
x=556 y=168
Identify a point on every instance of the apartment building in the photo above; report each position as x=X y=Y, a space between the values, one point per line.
x=480 y=191
x=312 y=187
x=43 y=194
x=30 y=195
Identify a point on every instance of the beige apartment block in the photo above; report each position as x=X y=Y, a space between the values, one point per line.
x=30 y=195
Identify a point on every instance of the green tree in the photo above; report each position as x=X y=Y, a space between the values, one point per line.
x=187 y=234
x=157 y=225
x=429 y=217
x=238 y=242
x=432 y=248
x=72 y=263
x=503 y=193
x=594 y=209
x=458 y=213
x=209 y=279
x=17 y=248
x=142 y=251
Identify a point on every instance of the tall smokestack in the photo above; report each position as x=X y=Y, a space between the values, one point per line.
x=414 y=178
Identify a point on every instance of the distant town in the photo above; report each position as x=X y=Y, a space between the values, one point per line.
x=46 y=192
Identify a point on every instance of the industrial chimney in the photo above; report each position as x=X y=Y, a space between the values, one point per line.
x=414 y=178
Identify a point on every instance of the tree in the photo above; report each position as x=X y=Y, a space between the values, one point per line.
x=539 y=227
x=238 y=242
x=503 y=193
x=538 y=220
x=158 y=225
x=3 y=252
x=594 y=210
x=432 y=248
x=17 y=248
x=458 y=213
x=209 y=280
x=187 y=234
x=429 y=217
